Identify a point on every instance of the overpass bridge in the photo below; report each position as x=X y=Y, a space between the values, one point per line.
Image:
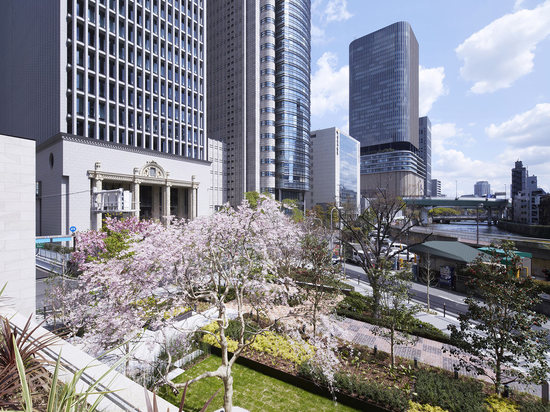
x=493 y=207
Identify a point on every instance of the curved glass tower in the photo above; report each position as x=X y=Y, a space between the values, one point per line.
x=258 y=94
x=292 y=101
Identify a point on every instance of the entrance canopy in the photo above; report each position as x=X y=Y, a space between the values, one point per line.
x=450 y=250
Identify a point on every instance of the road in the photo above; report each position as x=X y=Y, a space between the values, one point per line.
x=439 y=299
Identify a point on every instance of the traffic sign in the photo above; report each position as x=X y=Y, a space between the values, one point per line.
x=72 y=229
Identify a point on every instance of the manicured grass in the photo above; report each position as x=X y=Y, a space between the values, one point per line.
x=251 y=390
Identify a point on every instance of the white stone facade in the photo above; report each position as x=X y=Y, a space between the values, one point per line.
x=17 y=230
x=69 y=168
x=335 y=169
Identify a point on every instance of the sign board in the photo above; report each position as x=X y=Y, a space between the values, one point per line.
x=446 y=275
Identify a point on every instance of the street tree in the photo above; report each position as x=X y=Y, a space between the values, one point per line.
x=427 y=274
x=318 y=278
x=395 y=309
x=374 y=232
x=500 y=335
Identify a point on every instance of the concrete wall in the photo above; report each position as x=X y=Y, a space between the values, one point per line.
x=66 y=186
x=17 y=203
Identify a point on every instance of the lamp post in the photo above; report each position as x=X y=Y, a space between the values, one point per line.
x=477 y=223
x=331 y=231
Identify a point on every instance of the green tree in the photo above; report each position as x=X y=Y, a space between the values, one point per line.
x=319 y=278
x=498 y=336
x=373 y=233
x=395 y=310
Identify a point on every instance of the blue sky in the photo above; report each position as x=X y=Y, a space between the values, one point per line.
x=484 y=80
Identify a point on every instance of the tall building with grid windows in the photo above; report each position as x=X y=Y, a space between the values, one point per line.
x=383 y=108
x=113 y=91
x=258 y=94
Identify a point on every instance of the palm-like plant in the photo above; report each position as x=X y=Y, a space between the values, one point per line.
x=13 y=342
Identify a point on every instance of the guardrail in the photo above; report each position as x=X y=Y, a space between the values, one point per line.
x=53 y=255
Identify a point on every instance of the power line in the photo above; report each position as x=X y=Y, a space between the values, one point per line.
x=64 y=194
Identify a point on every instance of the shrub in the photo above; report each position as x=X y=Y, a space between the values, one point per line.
x=418 y=407
x=441 y=389
x=543 y=285
x=391 y=398
x=533 y=406
x=495 y=403
x=268 y=342
x=356 y=302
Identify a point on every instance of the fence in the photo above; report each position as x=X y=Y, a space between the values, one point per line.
x=52 y=255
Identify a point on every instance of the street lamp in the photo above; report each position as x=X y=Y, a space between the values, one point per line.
x=477 y=223
x=331 y=231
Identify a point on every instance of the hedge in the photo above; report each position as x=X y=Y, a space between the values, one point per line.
x=455 y=395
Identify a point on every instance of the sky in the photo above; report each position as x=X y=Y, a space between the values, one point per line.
x=484 y=80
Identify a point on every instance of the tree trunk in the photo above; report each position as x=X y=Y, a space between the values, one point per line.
x=428 y=292
x=314 y=319
x=228 y=391
x=392 y=333
x=498 y=376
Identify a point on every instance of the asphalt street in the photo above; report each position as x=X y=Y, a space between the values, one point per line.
x=440 y=299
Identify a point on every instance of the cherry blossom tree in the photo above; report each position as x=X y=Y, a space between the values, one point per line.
x=133 y=272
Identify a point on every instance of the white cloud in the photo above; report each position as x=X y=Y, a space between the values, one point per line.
x=445 y=134
x=329 y=86
x=518 y=5
x=317 y=34
x=531 y=128
x=452 y=166
x=337 y=10
x=431 y=87
x=503 y=51
x=345 y=126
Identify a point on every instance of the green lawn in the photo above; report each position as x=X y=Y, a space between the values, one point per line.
x=252 y=390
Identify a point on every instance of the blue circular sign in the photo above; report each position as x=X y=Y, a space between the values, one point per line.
x=72 y=229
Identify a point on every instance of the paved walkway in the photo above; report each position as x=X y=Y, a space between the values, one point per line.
x=425 y=350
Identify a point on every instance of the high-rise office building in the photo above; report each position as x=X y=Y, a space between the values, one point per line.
x=258 y=94
x=482 y=188
x=435 y=187
x=383 y=107
x=114 y=93
x=425 y=151
x=335 y=169
x=519 y=179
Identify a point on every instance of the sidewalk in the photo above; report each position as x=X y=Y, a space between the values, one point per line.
x=424 y=350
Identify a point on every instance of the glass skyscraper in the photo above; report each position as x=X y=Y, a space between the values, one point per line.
x=258 y=94
x=383 y=108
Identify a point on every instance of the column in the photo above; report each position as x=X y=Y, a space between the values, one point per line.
x=135 y=198
x=190 y=202
x=166 y=204
x=193 y=203
x=98 y=186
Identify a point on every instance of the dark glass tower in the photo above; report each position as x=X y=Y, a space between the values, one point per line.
x=383 y=109
x=292 y=90
x=383 y=98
